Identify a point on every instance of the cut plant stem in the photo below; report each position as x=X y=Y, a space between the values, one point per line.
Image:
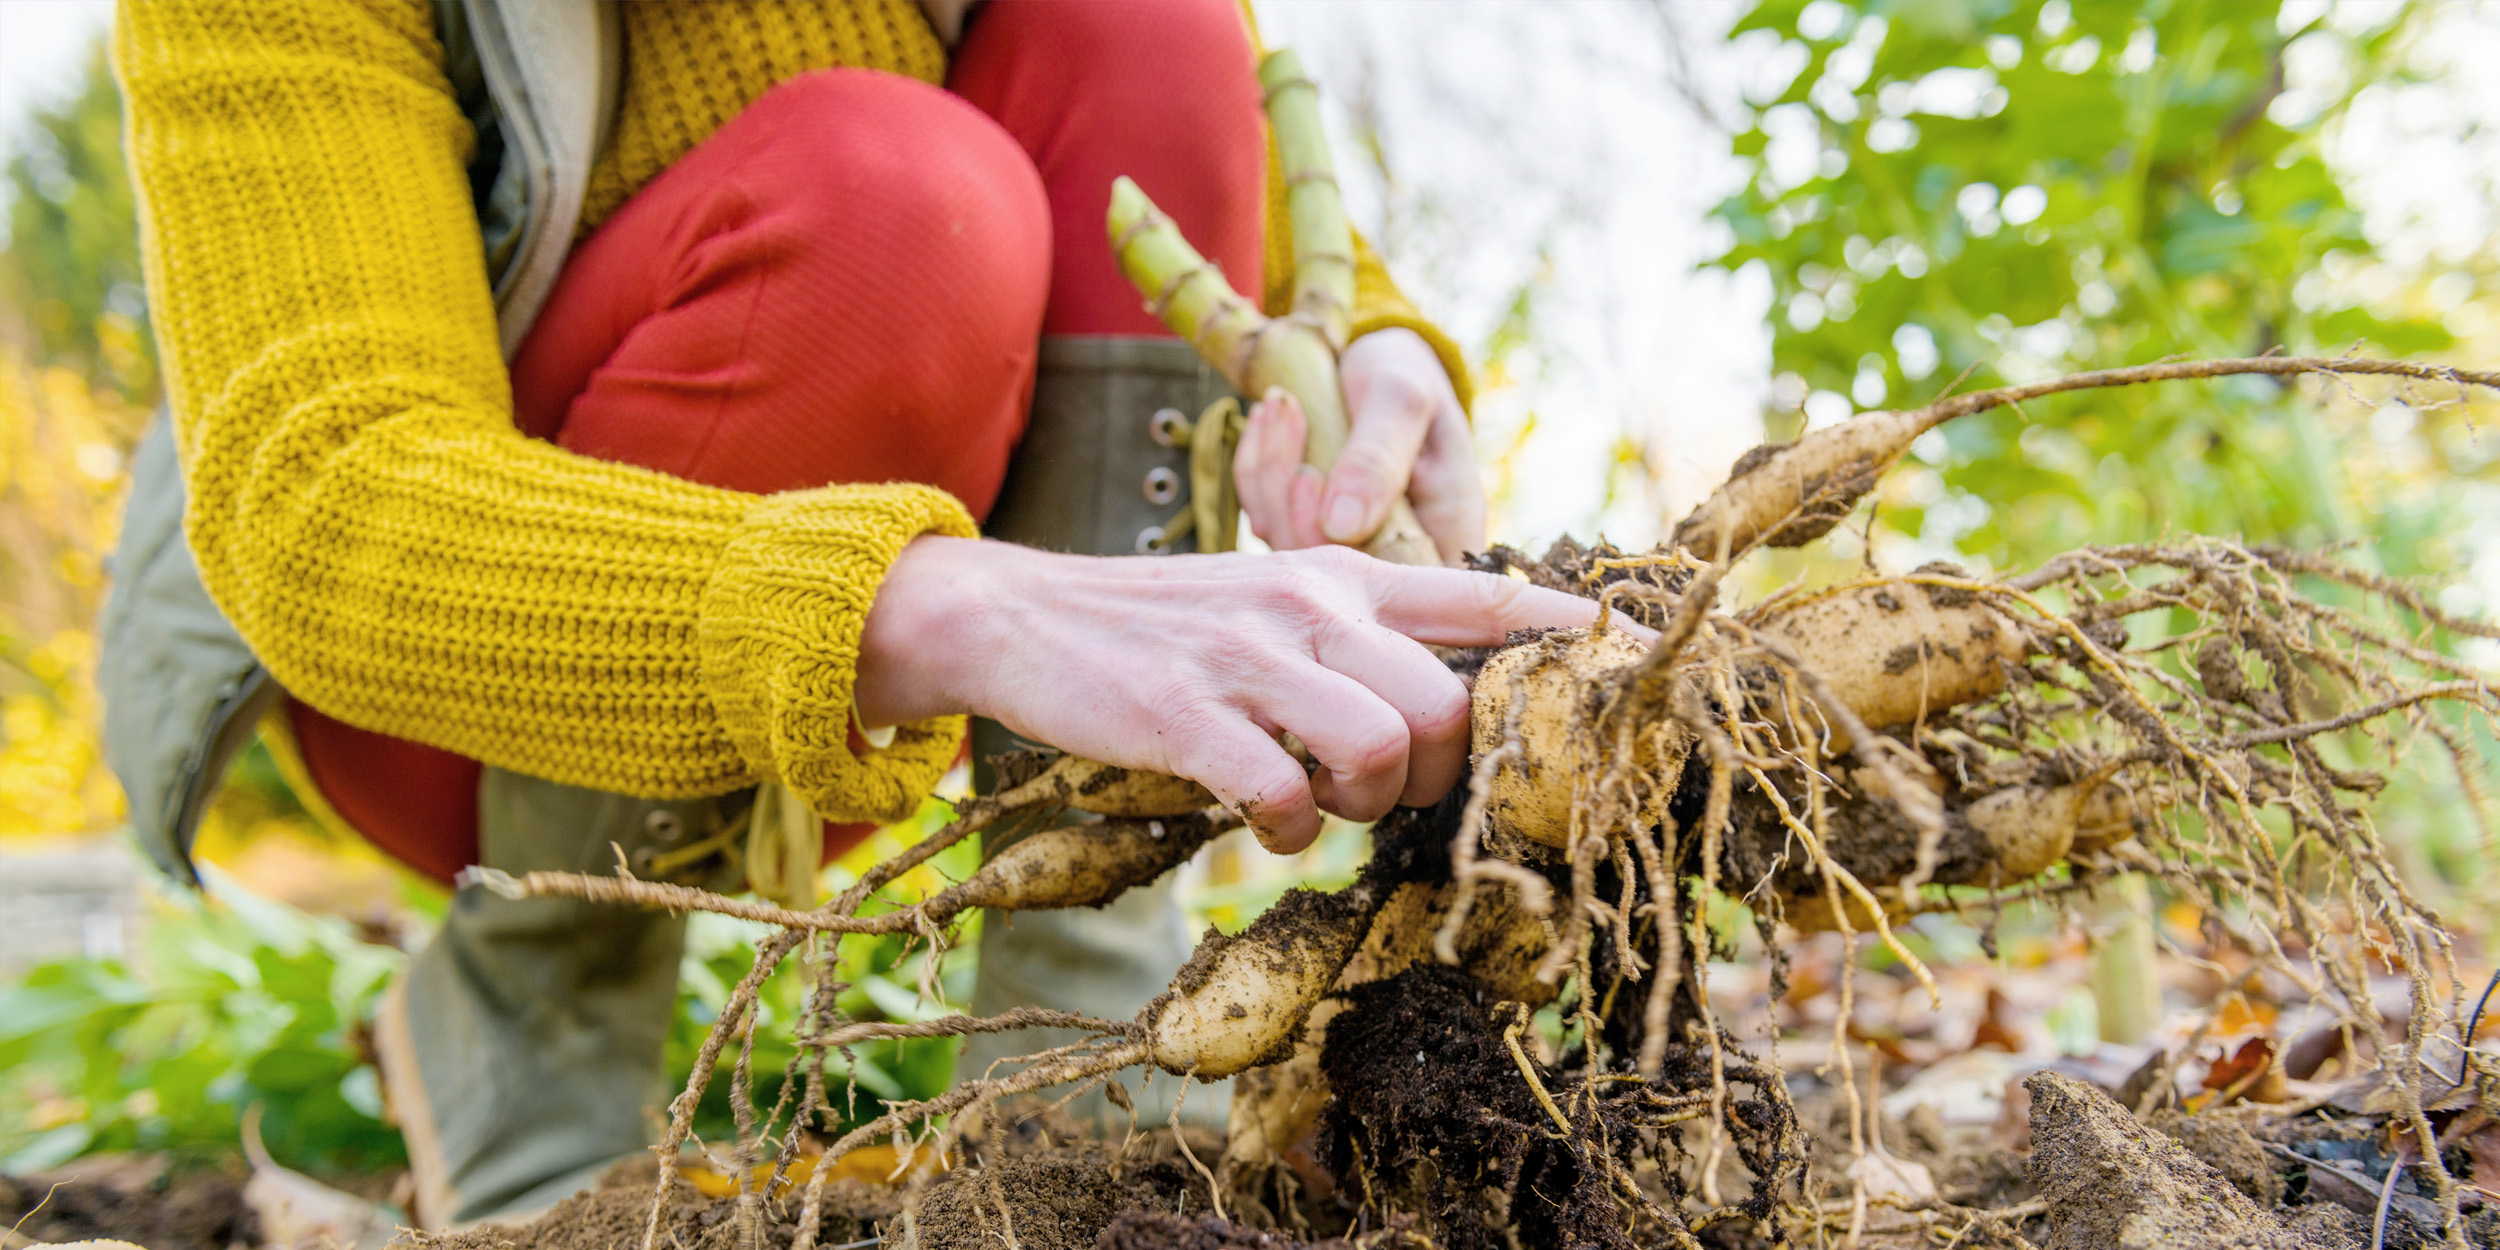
x=1323 y=244
x=1298 y=351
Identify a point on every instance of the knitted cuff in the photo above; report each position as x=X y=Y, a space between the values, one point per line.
x=779 y=632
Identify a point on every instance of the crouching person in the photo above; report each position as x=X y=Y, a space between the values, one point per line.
x=581 y=413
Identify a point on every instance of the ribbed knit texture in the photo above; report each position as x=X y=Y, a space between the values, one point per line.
x=361 y=505
x=689 y=68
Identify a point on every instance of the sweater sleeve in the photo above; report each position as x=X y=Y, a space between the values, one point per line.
x=361 y=505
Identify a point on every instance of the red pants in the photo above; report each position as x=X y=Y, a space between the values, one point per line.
x=848 y=282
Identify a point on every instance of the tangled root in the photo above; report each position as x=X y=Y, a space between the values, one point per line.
x=1837 y=758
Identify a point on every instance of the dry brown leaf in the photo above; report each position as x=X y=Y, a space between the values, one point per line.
x=1993 y=1032
x=2252 y=1073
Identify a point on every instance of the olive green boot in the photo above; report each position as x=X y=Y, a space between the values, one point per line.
x=1102 y=470
x=523 y=1048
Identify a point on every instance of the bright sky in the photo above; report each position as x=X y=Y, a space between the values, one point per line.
x=1546 y=147
x=43 y=46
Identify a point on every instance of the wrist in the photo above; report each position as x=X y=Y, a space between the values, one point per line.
x=917 y=650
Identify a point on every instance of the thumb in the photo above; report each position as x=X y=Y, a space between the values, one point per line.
x=1372 y=470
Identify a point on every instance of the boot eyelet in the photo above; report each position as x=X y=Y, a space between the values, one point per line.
x=663 y=824
x=1150 y=541
x=1169 y=427
x=1162 y=485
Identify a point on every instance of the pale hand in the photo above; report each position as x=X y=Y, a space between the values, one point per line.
x=1406 y=436
x=1194 y=664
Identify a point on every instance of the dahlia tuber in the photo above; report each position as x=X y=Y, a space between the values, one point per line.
x=1240 y=1002
x=1085 y=865
x=1789 y=494
x=1108 y=790
x=1897 y=651
x=1538 y=690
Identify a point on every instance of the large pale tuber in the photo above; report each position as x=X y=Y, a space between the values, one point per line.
x=1790 y=494
x=1547 y=686
x=1892 y=651
x=1085 y=865
x=1241 y=1001
x=1106 y=790
x=1896 y=650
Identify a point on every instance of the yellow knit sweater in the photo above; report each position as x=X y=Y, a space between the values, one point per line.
x=361 y=505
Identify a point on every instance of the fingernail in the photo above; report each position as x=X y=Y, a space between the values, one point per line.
x=1345 y=519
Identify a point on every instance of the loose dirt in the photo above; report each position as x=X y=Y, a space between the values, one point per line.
x=1426 y=1154
x=142 y=1199
x=614 y=1216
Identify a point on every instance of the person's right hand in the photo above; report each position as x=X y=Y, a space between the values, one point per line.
x=1193 y=665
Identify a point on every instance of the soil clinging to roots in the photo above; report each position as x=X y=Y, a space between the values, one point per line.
x=2205 y=713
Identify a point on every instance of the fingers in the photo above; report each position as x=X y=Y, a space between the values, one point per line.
x=1280 y=495
x=1302 y=510
x=1248 y=772
x=1271 y=448
x=1358 y=741
x=1388 y=419
x=1428 y=698
x=1457 y=608
x=1448 y=489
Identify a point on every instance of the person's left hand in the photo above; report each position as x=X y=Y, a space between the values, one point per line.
x=1407 y=436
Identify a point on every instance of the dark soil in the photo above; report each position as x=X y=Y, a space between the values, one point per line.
x=1155 y=1230
x=142 y=1199
x=1044 y=1184
x=1866 y=835
x=2114 y=1184
x=2222 y=1143
x=1044 y=1201
x=614 y=1216
x=1451 y=1155
x=1429 y=1102
x=2201 y=1183
x=1040 y=1183
x=1432 y=1115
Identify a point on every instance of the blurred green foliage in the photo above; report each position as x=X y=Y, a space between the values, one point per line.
x=72 y=264
x=2025 y=188
x=1963 y=195
x=231 y=1001
x=880 y=980
x=234 y=1001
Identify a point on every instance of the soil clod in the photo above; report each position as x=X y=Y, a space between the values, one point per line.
x=140 y=1199
x=2114 y=1184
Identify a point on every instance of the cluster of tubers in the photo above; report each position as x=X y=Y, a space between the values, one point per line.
x=1897 y=650
x=1826 y=755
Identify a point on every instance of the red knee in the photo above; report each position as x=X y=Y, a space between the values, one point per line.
x=1163 y=91
x=845 y=283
